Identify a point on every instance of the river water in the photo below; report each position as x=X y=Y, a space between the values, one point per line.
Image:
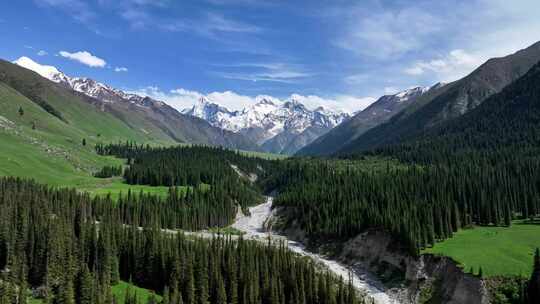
x=253 y=227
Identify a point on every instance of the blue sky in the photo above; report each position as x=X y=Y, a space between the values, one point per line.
x=340 y=54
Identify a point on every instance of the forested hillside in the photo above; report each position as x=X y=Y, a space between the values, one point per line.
x=58 y=127
x=219 y=181
x=479 y=169
x=453 y=100
x=506 y=123
x=69 y=248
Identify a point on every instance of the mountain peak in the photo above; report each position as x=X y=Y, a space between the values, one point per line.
x=265 y=100
x=411 y=92
x=48 y=71
x=203 y=100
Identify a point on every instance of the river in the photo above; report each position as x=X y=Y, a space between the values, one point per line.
x=253 y=227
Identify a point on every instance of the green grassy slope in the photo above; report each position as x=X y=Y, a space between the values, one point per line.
x=498 y=250
x=77 y=110
x=53 y=153
x=119 y=291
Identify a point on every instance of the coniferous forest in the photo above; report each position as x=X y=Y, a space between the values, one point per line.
x=70 y=249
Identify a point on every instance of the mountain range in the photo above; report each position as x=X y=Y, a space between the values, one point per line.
x=156 y=120
x=268 y=125
x=271 y=125
x=378 y=112
x=278 y=127
x=424 y=110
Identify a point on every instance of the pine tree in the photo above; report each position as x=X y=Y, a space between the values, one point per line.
x=21 y=111
x=533 y=289
x=84 y=286
x=152 y=299
x=166 y=296
x=221 y=297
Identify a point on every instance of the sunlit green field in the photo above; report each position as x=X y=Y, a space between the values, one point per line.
x=498 y=250
x=119 y=291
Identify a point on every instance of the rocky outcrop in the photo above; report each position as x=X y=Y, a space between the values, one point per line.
x=424 y=279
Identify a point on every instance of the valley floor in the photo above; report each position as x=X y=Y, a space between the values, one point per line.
x=253 y=227
x=497 y=250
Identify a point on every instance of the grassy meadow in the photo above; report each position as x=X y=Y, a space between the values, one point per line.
x=498 y=250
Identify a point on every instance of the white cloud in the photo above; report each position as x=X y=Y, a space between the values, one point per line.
x=345 y=103
x=217 y=22
x=384 y=34
x=455 y=65
x=212 y=26
x=433 y=41
x=77 y=9
x=390 y=90
x=356 y=78
x=181 y=99
x=121 y=69
x=85 y=58
x=42 y=53
x=272 y=72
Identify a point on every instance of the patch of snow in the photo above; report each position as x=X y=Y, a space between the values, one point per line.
x=48 y=71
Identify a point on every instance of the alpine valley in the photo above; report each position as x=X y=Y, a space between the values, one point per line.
x=429 y=194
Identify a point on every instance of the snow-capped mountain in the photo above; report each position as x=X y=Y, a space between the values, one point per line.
x=377 y=113
x=279 y=127
x=86 y=85
x=47 y=71
x=269 y=119
x=144 y=113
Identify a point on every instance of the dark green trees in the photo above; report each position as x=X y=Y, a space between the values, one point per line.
x=533 y=288
x=109 y=171
x=75 y=248
x=418 y=205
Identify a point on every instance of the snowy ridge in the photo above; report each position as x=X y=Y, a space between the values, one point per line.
x=86 y=85
x=268 y=115
x=46 y=71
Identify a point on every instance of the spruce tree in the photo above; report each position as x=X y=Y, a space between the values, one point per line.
x=533 y=289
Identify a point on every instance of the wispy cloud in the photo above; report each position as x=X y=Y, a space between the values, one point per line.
x=85 y=58
x=120 y=69
x=392 y=47
x=357 y=78
x=42 y=53
x=77 y=9
x=212 y=25
x=182 y=99
x=243 y=2
x=447 y=68
x=272 y=72
x=384 y=34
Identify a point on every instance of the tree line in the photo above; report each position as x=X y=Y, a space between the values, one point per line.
x=109 y=171
x=233 y=172
x=419 y=205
